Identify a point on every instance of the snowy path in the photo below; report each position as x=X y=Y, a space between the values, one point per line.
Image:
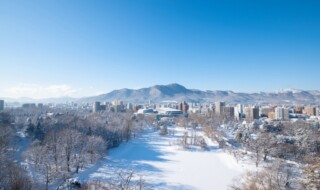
x=165 y=166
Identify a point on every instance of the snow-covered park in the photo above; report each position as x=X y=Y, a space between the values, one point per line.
x=164 y=165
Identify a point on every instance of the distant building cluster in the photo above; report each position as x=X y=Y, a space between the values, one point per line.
x=239 y=112
x=171 y=109
x=248 y=113
x=114 y=106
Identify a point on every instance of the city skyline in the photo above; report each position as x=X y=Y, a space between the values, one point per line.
x=80 y=48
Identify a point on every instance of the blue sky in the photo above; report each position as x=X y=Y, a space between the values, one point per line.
x=80 y=48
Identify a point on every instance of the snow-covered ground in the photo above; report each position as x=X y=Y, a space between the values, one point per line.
x=164 y=165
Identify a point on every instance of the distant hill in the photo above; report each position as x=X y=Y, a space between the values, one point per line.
x=179 y=93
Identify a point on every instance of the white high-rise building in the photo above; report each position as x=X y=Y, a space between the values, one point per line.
x=117 y=103
x=219 y=107
x=130 y=106
x=281 y=113
x=238 y=112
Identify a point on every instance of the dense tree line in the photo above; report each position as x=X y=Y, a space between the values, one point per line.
x=12 y=176
x=65 y=141
x=297 y=141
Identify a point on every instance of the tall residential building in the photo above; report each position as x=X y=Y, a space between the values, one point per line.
x=228 y=111
x=238 y=112
x=310 y=110
x=1 y=105
x=130 y=106
x=251 y=113
x=117 y=106
x=219 y=107
x=240 y=108
x=184 y=107
x=117 y=103
x=281 y=113
x=96 y=107
x=317 y=111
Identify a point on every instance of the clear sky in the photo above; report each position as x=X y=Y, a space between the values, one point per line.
x=85 y=47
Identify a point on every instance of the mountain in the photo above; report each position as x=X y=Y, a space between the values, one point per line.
x=177 y=92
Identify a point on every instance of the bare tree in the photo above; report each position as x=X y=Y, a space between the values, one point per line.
x=70 y=143
x=127 y=128
x=163 y=130
x=267 y=143
x=255 y=147
x=95 y=147
x=312 y=173
x=52 y=140
x=275 y=177
x=12 y=176
x=184 y=140
x=79 y=157
x=42 y=160
x=183 y=122
x=127 y=180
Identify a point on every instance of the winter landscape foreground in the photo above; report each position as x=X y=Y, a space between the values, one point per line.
x=81 y=149
x=163 y=164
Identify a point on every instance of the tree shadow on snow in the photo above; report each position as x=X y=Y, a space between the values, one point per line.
x=136 y=155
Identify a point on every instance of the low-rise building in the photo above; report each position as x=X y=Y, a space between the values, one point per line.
x=310 y=110
x=145 y=111
x=28 y=105
x=170 y=112
x=298 y=109
x=264 y=111
x=271 y=115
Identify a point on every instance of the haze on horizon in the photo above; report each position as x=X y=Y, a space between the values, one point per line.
x=83 y=48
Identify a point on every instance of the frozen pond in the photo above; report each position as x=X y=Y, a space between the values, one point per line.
x=166 y=166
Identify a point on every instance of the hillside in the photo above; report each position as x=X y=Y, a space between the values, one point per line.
x=179 y=93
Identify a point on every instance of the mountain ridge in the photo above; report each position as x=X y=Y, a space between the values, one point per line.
x=177 y=92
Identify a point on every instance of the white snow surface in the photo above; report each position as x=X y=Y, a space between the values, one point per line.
x=164 y=165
